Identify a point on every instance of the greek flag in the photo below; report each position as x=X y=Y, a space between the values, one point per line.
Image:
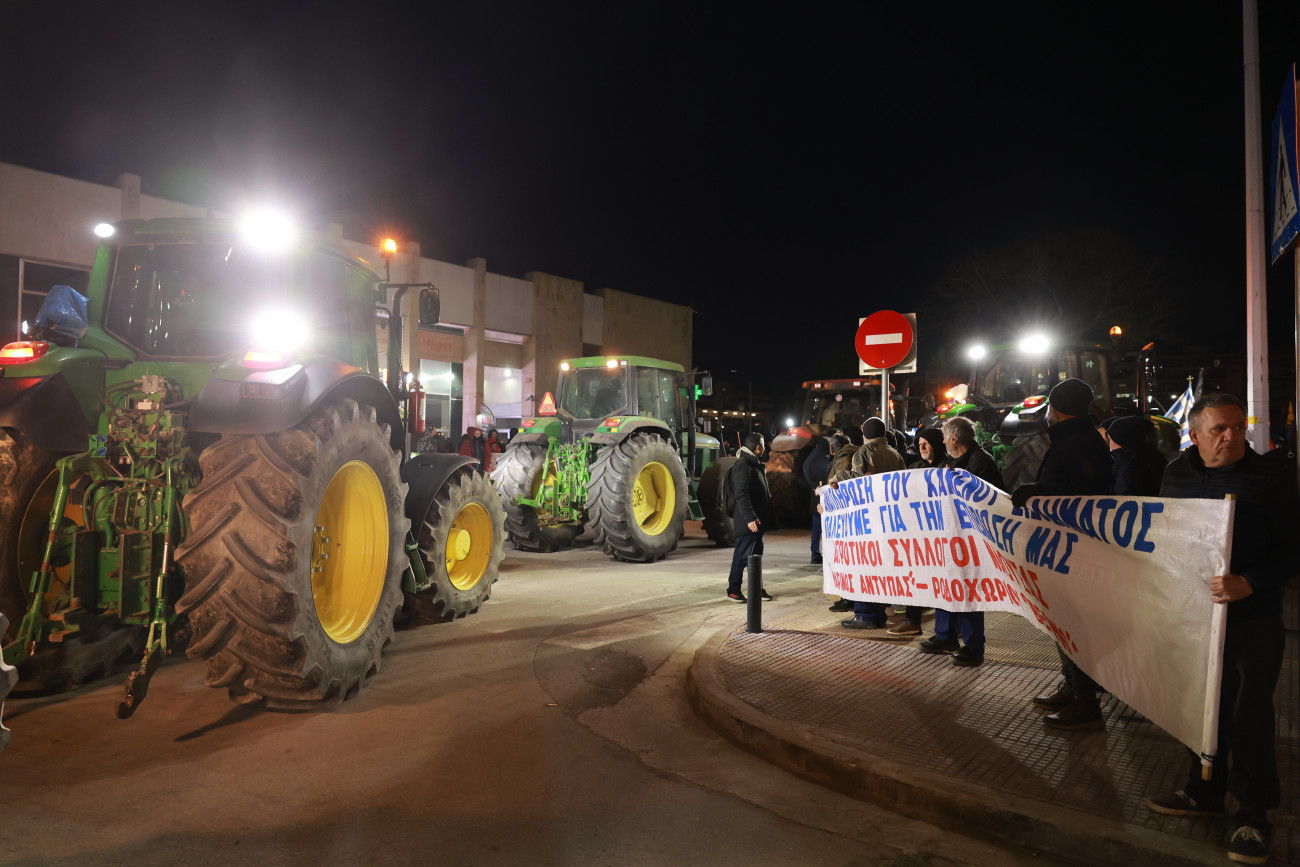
x=1179 y=412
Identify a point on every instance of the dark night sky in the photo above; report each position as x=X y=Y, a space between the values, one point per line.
x=784 y=168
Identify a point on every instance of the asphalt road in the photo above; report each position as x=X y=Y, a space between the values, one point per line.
x=551 y=728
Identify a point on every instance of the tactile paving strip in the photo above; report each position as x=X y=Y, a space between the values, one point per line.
x=1009 y=638
x=882 y=697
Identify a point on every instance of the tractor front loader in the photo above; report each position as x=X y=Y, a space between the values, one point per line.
x=617 y=451
x=203 y=455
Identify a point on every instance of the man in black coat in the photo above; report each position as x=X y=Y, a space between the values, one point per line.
x=1077 y=463
x=753 y=513
x=1263 y=560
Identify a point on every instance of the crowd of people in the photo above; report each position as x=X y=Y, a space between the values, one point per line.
x=1118 y=457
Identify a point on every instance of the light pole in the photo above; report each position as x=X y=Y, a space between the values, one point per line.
x=749 y=407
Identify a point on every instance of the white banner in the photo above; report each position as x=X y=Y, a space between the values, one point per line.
x=1121 y=583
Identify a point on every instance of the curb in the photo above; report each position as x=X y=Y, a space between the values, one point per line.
x=942 y=801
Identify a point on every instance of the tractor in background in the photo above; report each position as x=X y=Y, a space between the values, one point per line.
x=1007 y=396
x=829 y=405
x=616 y=449
x=204 y=454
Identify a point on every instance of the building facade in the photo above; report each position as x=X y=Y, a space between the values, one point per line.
x=496 y=350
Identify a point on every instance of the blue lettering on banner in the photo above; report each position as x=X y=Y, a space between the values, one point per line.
x=1123 y=523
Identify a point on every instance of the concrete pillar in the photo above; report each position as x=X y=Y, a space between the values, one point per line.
x=557 y=333
x=130 y=186
x=476 y=344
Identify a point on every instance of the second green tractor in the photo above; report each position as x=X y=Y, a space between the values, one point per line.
x=615 y=449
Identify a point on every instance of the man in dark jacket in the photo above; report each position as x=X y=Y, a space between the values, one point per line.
x=816 y=469
x=753 y=514
x=1263 y=560
x=964 y=453
x=1077 y=463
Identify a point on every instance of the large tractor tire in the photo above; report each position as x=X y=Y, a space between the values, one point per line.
x=717 y=523
x=28 y=480
x=1024 y=456
x=520 y=472
x=8 y=677
x=295 y=557
x=24 y=520
x=637 y=498
x=461 y=542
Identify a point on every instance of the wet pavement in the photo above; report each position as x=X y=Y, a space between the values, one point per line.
x=963 y=747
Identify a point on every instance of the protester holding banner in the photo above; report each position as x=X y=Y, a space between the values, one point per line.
x=1077 y=462
x=929 y=447
x=875 y=456
x=753 y=512
x=929 y=455
x=964 y=453
x=1263 y=560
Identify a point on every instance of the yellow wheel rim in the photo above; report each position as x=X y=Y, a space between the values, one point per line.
x=349 y=552
x=654 y=496
x=34 y=533
x=469 y=546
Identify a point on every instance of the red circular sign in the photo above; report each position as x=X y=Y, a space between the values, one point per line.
x=884 y=339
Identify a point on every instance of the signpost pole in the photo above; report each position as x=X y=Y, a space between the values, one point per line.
x=884 y=397
x=1256 y=297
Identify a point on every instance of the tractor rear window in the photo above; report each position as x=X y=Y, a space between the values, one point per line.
x=594 y=392
x=190 y=300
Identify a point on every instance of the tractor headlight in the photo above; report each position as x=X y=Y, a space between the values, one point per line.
x=277 y=334
x=1035 y=344
x=268 y=230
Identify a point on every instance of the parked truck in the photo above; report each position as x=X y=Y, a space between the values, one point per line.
x=207 y=453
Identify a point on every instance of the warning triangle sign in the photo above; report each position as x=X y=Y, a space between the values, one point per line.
x=1284 y=205
x=547 y=406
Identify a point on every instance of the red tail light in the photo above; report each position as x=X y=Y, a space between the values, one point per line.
x=528 y=423
x=942 y=408
x=613 y=422
x=23 y=351
x=1031 y=402
x=264 y=359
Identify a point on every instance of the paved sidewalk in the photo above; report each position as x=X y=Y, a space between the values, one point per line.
x=963 y=748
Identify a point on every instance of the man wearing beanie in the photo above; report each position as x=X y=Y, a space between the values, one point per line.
x=1077 y=463
x=875 y=456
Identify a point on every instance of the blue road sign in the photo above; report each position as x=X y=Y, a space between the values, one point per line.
x=1285 y=223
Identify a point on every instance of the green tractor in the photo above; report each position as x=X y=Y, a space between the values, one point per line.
x=203 y=454
x=1007 y=395
x=618 y=450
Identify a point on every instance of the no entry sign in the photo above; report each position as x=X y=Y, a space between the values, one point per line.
x=884 y=339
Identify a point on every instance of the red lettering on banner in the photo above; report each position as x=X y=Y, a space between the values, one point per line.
x=843 y=583
x=971 y=592
x=893 y=547
x=960 y=557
